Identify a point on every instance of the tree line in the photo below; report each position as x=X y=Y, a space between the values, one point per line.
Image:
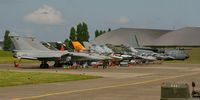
x=100 y=32
x=78 y=33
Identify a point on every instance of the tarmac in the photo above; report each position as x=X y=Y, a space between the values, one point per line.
x=139 y=82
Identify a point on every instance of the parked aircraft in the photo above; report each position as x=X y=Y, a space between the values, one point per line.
x=104 y=50
x=26 y=47
x=145 y=55
x=80 y=48
x=177 y=54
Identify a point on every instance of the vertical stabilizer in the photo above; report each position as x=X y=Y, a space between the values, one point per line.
x=35 y=43
x=26 y=43
x=78 y=46
x=133 y=41
x=20 y=44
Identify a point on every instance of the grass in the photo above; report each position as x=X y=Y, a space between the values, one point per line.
x=6 y=60
x=6 y=57
x=12 y=78
x=193 y=59
x=5 y=53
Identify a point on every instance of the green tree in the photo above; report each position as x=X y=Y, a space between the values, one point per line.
x=82 y=32
x=7 y=41
x=68 y=44
x=66 y=40
x=85 y=33
x=72 y=34
x=79 y=32
x=100 y=32
x=96 y=33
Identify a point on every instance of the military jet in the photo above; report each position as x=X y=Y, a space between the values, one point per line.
x=28 y=47
x=80 y=48
x=177 y=54
x=104 y=50
x=143 y=54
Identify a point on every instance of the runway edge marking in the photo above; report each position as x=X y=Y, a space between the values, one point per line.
x=106 y=87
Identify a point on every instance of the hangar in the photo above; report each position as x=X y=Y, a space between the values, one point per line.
x=130 y=36
x=184 y=37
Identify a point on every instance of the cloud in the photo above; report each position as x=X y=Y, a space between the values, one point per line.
x=122 y=20
x=45 y=15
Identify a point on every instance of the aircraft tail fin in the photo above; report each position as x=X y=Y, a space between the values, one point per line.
x=19 y=43
x=78 y=46
x=26 y=43
x=137 y=43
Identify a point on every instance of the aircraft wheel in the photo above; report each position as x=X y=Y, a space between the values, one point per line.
x=46 y=65
x=41 y=65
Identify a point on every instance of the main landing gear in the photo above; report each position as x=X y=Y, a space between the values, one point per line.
x=44 y=64
x=57 y=64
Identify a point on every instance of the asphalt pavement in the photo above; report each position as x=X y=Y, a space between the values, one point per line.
x=141 y=82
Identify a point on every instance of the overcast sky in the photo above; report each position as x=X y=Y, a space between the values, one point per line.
x=51 y=20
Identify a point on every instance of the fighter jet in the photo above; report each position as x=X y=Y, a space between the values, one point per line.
x=27 y=47
x=80 y=48
x=103 y=50
x=177 y=54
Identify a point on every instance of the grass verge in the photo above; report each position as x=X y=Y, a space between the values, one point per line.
x=193 y=59
x=5 y=60
x=6 y=57
x=12 y=78
x=5 y=53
